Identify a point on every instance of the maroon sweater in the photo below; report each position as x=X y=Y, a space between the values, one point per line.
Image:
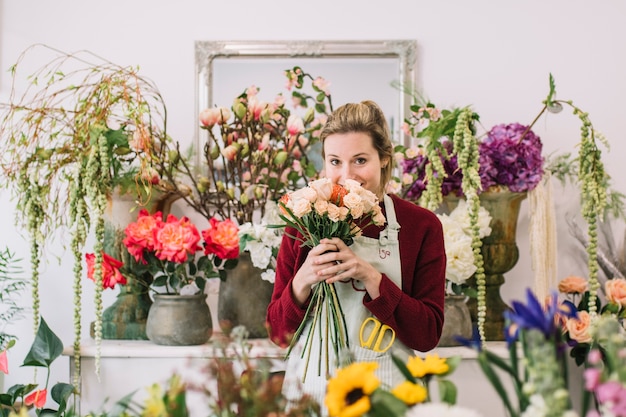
x=415 y=312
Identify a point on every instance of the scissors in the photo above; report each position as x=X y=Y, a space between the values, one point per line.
x=376 y=334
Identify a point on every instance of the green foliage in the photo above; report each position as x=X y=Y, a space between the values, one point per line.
x=11 y=284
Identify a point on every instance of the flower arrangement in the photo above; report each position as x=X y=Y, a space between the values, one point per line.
x=538 y=378
x=355 y=390
x=606 y=376
x=83 y=128
x=167 y=251
x=457 y=236
x=255 y=150
x=327 y=210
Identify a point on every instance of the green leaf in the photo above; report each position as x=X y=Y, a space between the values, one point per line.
x=447 y=391
x=60 y=393
x=403 y=369
x=385 y=404
x=45 y=349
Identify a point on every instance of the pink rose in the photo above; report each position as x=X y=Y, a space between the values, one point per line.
x=573 y=285
x=111 y=274
x=222 y=239
x=616 y=291
x=176 y=240
x=140 y=234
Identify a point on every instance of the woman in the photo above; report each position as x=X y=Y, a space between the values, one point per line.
x=394 y=274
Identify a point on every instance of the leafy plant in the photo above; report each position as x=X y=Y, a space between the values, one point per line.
x=46 y=348
x=10 y=285
x=83 y=127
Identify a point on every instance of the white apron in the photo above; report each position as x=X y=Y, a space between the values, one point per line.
x=384 y=255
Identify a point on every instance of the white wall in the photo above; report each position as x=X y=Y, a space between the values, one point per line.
x=495 y=56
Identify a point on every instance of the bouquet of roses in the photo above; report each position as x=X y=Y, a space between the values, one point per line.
x=326 y=210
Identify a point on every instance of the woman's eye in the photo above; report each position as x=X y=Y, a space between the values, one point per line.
x=360 y=161
x=334 y=162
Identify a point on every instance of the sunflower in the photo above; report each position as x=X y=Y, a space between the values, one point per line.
x=431 y=365
x=348 y=393
x=410 y=393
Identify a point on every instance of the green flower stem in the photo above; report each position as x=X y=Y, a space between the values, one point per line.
x=466 y=149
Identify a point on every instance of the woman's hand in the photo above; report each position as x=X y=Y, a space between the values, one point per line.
x=343 y=264
x=311 y=271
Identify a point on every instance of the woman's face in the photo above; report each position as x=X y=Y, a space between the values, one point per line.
x=353 y=156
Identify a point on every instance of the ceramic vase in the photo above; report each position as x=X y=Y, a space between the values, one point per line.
x=243 y=299
x=179 y=320
x=457 y=321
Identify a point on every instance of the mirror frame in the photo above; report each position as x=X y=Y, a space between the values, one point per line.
x=207 y=51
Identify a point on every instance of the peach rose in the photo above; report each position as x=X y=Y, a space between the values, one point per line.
x=578 y=328
x=354 y=203
x=176 y=240
x=616 y=291
x=573 y=285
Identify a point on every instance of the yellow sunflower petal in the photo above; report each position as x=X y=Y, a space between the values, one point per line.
x=436 y=365
x=410 y=393
x=347 y=394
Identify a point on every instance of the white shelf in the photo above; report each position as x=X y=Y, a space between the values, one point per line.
x=260 y=348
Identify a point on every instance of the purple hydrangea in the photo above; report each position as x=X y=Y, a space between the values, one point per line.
x=504 y=160
x=451 y=184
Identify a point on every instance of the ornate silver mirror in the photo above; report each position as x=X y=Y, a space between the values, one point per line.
x=356 y=70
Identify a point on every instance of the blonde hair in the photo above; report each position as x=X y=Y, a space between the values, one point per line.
x=364 y=117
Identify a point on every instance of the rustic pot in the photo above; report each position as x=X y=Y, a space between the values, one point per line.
x=179 y=320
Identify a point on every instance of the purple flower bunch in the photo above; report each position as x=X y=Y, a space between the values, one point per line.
x=417 y=167
x=508 y=161
x=504 y=159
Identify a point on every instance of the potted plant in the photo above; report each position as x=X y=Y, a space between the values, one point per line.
x=508 y=157
x=171 y=252
x=83 y=129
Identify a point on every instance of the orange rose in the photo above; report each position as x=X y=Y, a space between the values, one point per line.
x=111 y=274
x=222 y=239
x=616 y=291
x=176 y=240
x=140 y=234
x=337 y=195
x=578 y=328
x=573 y=285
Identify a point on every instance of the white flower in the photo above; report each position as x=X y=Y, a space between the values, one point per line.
x=260 y=254
x=536 y=408
x=461 y=215
x=440 y=410
x=269 y=275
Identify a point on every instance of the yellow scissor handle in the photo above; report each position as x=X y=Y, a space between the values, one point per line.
x=376 y=335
